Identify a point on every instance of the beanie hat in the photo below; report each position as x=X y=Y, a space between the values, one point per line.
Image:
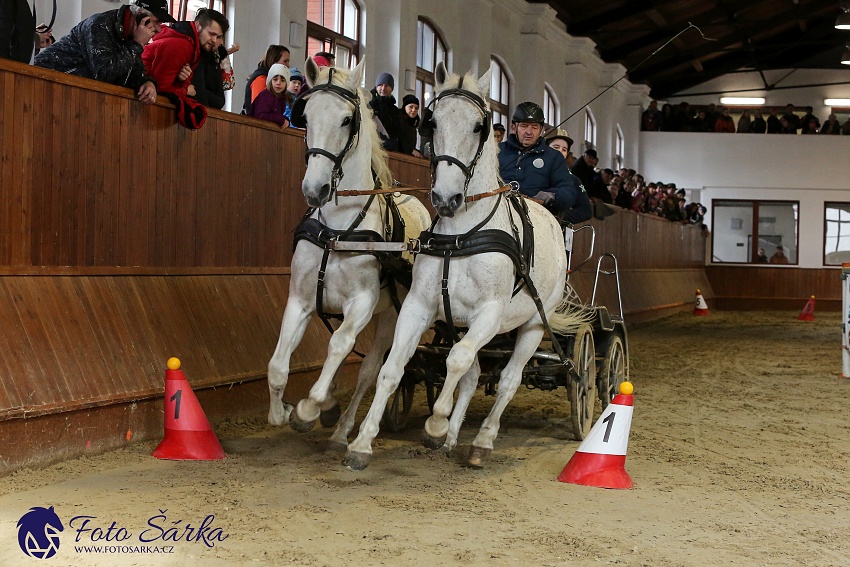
x=409 y=99
x=321 y=61
x=385 y=79
x=274 y=71
x=295 y=75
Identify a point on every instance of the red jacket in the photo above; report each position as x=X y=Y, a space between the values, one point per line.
x=170 y=49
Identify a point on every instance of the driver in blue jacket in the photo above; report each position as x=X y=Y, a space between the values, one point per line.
x=541 y=171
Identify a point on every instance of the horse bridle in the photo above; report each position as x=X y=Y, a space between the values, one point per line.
x=483 y=134
x=353 y=129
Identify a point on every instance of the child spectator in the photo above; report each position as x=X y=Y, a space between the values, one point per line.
x=271 y=103
x=274 y=54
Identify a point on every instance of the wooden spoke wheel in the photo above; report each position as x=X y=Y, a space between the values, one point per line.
x=582 y=389
x=397 y=411
x=612 y=371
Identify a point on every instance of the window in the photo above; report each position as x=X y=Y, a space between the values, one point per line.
x=500 y=101
x=185 y=10
x=551 y=108
x=741 y=228
x=836 y=249
x=619 y=149
x=589 y=130
x=334 y=26
x=430 y=50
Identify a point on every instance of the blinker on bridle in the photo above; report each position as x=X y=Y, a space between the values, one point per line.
x=484 y=133
x=353 y=128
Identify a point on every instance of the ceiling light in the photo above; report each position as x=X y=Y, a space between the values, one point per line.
x=738 y=100
x=842 y=102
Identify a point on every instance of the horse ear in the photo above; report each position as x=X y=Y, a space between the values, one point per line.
x=311 y=70
x=356 y=76
x=440 y=74
x=484 y=83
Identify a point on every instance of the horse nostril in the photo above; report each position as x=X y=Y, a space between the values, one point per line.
x=456 y=201
x=436 y=200
x=326 y=189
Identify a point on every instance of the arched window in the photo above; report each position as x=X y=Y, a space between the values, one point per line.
x=619 y=149
x=551 y=107
x=333 y=26
x=589 y=130
x=430 y=50
x=500 y=102
x=185 y=10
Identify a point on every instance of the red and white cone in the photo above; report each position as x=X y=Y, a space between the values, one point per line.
x=808 y=312
x=601 y=458
x=700 y=306
x=188 y=435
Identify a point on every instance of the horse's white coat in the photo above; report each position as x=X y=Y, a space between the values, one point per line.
x=480 y=286
x=352 y=282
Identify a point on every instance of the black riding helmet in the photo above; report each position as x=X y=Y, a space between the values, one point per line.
x=528 y=112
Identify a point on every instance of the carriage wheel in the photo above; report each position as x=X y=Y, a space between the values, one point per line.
x=398 y=409
x=612 y=371
x=583 y=390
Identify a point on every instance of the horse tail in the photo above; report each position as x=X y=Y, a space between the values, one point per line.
x=570 y=314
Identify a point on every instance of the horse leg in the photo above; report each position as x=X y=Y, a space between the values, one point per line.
x=466 y=389
x=295 y=319
x=369 y=368
x=356 y=316
x=482 y=328
x=528 y=339
x=415 y=317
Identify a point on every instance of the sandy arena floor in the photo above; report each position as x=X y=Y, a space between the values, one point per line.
x=739 y=448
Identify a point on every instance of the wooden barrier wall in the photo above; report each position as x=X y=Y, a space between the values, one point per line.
x=774 y=287
x=127 y=239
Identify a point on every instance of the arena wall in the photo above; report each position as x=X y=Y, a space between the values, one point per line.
x=128 y=239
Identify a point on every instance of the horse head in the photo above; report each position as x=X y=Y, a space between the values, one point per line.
x=461 y=122
x=333 y=113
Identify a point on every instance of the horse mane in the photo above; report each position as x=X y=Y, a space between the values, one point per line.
x=379 y=156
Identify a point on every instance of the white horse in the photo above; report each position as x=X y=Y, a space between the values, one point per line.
x=344 y=152
x=480 y=286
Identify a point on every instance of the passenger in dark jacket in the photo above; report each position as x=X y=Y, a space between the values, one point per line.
x=383 y=105
x=541 y=171
x=108 y=47
x=17 y=30
x=408 y=125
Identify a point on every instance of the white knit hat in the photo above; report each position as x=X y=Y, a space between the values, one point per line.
x=274 y=71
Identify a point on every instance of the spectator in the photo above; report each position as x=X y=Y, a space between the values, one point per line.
x=599 y=187
x=779 y=256
x=271 y=103
x=328 y=56
x=108 y=47
x=383 y=105
x=45 y=37
x=786 y=127
x=700 y=123
x=744 y=122
x=774 y=124
x=296 y=80
x=257 y=81
x=711 y=116
x=758 y=125
x=408 y=125
x=793 y=120
x=667 y=124
x=180 y=45
x=761 y=258
x=498 y=132
x=296 y=114
x=17 y=30
x=540 y=170
x=724 y=122
x=208 y=79
x=831 y=126
x=584 y=166
x=806 y=121
x=845 y=128
x=651 y=118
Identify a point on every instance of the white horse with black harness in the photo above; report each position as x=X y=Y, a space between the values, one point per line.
x=345 y=161
x=491 y=261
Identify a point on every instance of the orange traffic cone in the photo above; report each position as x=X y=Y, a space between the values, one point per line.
x=188 y=435
x=600 y=459
x=808 y=312
x=700 y=306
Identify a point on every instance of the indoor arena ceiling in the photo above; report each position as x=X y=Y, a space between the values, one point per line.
x=743 y=35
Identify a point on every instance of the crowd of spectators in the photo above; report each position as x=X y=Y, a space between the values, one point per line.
x=686 y=118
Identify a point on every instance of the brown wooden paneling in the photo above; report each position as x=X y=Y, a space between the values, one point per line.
x=769 y=287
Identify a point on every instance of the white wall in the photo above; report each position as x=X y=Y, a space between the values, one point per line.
x=808 y=169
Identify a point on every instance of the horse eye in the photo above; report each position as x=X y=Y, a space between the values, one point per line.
x=477 y=128
x=346 y=121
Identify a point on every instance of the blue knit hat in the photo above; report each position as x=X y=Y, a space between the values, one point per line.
x=385 y=79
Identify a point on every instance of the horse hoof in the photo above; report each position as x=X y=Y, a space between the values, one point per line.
x=433 y=442
x=336 y=446
x=356 y=461
x=298 y=425
x=477 y=455
x=328 y=418
x=279 y=414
